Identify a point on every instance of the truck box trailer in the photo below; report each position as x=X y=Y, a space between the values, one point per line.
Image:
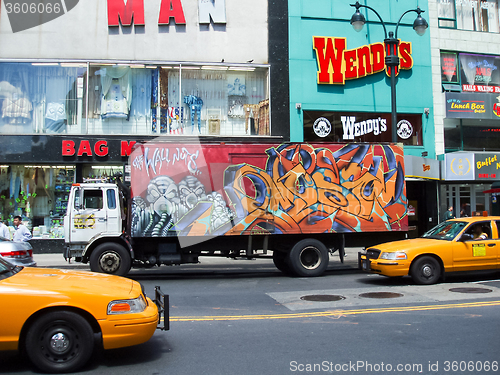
x=292 y=202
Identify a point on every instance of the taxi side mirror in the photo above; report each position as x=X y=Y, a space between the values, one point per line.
x=466 y=237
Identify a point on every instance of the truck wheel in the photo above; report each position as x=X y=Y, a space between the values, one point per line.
x=280 y=261
x=308 y=257
x=110 y=258
x=60 y=342
x=425 y=271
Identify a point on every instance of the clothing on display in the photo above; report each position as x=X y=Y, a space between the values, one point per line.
x=18 y=109
x=236 y=106
x=251 y=118
x=116 y=92
x=264 y=117
x=176 y=118
x=55 y=118
x=195 y=104
x=95 y=94
x=159 y=98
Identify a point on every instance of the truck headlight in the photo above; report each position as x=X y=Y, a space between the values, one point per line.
x=397 y=255
x=127 y=306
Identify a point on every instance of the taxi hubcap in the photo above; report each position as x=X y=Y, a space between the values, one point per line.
x=427 y=271
x=59 y=342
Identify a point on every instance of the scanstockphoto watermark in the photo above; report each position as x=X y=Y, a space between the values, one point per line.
x=430 y=367
x=357 y=366
x=25 y=14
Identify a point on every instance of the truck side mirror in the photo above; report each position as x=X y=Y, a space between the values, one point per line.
x=466 y=237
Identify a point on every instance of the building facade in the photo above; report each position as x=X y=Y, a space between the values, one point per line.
x=465 y=48
x=81 y=83
x=340 y=91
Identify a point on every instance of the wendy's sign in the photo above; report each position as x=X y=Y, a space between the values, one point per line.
x=336 y=64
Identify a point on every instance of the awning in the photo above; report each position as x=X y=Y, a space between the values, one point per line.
x=492 y=191
x=495 y=188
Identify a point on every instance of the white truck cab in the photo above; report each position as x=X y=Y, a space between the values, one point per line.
x=95 y=210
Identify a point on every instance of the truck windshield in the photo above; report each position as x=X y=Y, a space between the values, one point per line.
x=447 y=230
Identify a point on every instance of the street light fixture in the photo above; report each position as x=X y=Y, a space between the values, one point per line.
x=391 y=46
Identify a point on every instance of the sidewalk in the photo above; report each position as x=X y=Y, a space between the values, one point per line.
x=57 y=260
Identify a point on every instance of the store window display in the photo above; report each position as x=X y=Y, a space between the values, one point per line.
x=220 y=102
x=38 y=194
x=38 y=99
x=104 y=99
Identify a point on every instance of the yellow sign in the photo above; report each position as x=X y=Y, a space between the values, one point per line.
x=479 y=250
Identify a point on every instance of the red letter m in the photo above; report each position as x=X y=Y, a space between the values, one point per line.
x=119 y=11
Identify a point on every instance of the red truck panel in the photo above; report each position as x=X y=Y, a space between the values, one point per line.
x=234 y=189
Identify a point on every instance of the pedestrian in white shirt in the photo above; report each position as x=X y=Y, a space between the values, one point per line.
x=4 y=231
x=22 y=234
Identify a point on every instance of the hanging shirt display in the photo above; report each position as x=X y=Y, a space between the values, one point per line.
x=16 y=107
x=116 y=92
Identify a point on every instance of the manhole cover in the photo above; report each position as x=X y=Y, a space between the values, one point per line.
x=470 y=290
x=381 y=295
x=322 y=298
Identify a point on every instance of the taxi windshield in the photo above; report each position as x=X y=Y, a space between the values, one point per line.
x=447 y=230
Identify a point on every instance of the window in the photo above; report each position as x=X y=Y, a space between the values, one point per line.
x=37 y=98
x=102 y=99
x=446 y=14
x=474 y=15
x=478 y=228
x=76 y=202
x=446 y=230
x=93 y=199
x=449 y=67
x=110 y=195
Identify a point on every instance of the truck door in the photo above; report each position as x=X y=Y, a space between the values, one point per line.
x=90 y=216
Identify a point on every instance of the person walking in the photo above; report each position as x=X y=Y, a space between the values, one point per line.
x=22 y=234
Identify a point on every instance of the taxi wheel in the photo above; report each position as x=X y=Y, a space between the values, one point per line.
x=60 y=342
x=110 y=258
x=308 y=258
x=425 y=271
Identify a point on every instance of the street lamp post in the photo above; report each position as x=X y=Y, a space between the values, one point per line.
x=391 y=51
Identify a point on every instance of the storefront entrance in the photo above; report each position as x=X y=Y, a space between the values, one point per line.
x=466 y=199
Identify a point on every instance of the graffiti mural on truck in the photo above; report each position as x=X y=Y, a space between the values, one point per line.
x=301 y=189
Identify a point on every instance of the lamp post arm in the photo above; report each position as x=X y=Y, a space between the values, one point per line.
x=418 y=11
x=358 y=5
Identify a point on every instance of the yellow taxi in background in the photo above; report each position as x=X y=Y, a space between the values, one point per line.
x=57 y=317
x=464 y=244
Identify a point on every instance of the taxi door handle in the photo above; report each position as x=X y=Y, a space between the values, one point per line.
x=491 y=244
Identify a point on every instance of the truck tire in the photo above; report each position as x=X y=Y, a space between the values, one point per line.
x=308 y=258
x=110 y=258
x=425 y=271
x=59 y=342
x=281 y=262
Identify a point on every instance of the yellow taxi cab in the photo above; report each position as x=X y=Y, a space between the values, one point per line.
x=57 y=317
x=464 y=244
